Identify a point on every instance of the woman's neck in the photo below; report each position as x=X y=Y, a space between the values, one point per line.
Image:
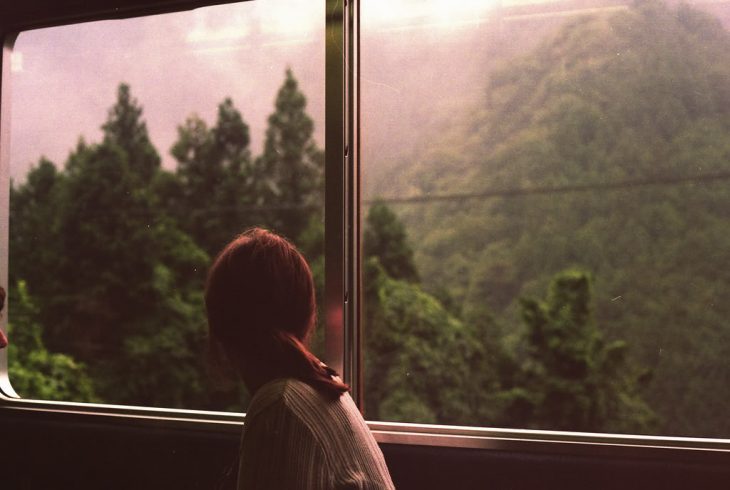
x=254 y=377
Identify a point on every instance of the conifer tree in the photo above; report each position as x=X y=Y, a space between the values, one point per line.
x=385 y=238
x=572 y=379
x=33 y=226
x=36 y=372
x=116 y=282
x=290 y=170
x=214 y=195
x=126 y=128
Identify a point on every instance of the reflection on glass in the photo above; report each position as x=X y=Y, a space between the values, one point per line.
x=135 y=157
x=547 y=215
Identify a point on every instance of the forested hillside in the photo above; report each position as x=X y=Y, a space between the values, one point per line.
x=607 y=149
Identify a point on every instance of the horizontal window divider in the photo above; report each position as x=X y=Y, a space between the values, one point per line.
x=543 y=440
x=685 y=449
x=169 y=417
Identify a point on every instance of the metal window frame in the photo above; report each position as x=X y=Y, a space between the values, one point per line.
x=343 y=337
x=335 y=200
x=8 y=41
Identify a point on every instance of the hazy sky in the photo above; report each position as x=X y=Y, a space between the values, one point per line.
x=64 y=79
x=422 y=60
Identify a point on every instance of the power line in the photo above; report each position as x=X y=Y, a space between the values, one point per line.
x=492 y=193
x=521 y=191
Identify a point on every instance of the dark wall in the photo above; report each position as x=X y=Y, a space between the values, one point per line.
x=49 y=451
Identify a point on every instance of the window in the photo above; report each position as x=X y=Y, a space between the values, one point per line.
x=545 y=215
x=543 y=205
x=139 y=147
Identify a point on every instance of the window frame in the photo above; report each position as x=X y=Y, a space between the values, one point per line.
x=343 y=336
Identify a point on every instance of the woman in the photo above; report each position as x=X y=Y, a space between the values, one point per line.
x=302 y=428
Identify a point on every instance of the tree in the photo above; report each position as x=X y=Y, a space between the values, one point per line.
x=384 y=237
x=422 y=364
x=212 y=196
x=125 y=128
x=118 y=285
x=33 y=227
x=129 y=275
x=35 y=372
x=289 y=173
x=571 y=378
x=104 y=221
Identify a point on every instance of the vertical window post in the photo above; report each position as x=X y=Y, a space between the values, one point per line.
x=7 y=49
x=342 y=194
x=353 y=332
x=334 y=189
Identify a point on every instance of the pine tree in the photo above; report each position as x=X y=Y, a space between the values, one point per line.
x=385 y=238
x=119 y=288
x=231 y=137
x=106 y=253
x=290 y=170
x=36 y=372
x=572 y=379
x=422 y=364
x=33 y=226
x=124 y=127
x=213 y=196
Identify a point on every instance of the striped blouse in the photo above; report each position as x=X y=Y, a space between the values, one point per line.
x=296 y=438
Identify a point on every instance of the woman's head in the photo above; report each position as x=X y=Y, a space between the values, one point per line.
x=261 y=307
x=259 y=283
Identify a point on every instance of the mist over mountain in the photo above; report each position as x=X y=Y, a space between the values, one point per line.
x=423 y=84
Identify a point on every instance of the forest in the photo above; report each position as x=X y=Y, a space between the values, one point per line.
x=574 y=279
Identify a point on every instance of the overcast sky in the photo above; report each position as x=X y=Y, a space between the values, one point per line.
x=64 y=79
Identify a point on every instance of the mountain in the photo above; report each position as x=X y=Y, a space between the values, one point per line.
x=606 y=148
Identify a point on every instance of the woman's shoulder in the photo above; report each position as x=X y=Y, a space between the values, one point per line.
x=334 y=425
x=294 y=398
x=291 y=394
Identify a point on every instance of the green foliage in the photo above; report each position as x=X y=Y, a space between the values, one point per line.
x=385 y=238
x=290 y=172
x=111 y=268
x=211 y=193
x=125 y=128
x=114 y=251
x=640 y=95
x=35 y=372
x=424 y=364
x=32 y=214
x=421 y=363
x=311 y=244
x=571 y=379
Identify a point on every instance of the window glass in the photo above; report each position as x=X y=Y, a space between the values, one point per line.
x=140 y=147
x=546 y=214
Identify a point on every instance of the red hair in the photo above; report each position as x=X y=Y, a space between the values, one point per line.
x=261 y=307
